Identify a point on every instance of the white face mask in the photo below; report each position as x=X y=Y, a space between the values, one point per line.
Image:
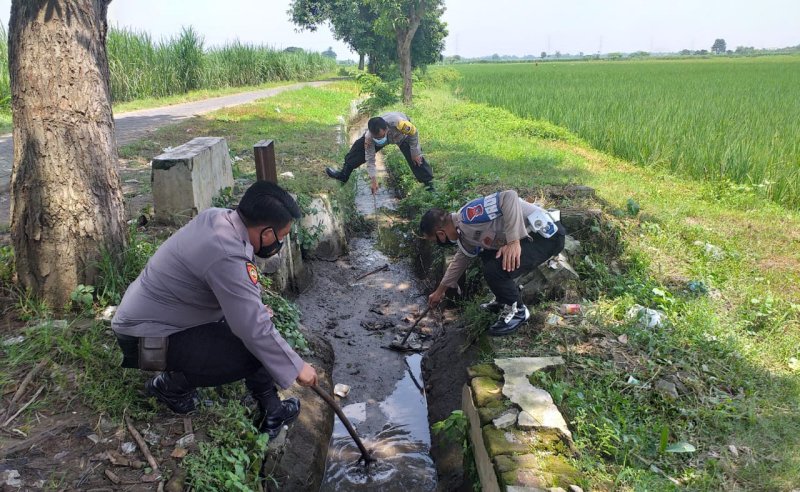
x=380 y=141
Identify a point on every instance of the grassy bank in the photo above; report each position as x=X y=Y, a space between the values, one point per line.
x=722 y=264
x=731 y=120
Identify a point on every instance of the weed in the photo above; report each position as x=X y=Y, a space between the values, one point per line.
x=224 y=198
x=117 y=271
x=231 y=458
x=286 y=316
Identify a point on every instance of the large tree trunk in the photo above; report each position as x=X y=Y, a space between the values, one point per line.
x=360 y=62
x=66 y=196
x=405 y=35
x=372 y=66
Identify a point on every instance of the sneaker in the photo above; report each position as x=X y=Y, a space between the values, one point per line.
x=337 y=175
x=492 y=306
x=510 y=320
x=286 y=414
x=171 y=390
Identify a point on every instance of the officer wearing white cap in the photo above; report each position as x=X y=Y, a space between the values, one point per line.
x=195 y=311
x=510 y=235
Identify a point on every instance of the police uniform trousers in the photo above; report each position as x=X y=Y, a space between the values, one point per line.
x=357 y=156
x=535 y=251
x=207 y=355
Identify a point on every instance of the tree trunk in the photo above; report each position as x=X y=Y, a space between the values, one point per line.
x=66 y=196
x=360 y=62
x=371 y=65
x=405 y=35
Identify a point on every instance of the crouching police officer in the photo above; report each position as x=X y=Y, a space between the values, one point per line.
x=396 y=128
x=511 y=237
x=195 y=311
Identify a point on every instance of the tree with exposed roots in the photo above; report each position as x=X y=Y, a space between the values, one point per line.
x=67 y=205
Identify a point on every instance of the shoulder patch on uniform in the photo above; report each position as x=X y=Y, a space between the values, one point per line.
x=252 y=272
x=481 y=210
x=406 y=127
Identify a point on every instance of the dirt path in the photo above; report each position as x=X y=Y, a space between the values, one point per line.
x=135 y=125
x=386 y=402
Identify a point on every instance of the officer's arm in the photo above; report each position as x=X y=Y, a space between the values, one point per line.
x=235 y=285
x=455 y=269
x=513 y=218
x=369 y=154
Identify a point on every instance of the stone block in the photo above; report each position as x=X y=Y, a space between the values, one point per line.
x=321 y=219
x=491 y=411
x=486 y=390
x=486 y=370
x=186 y=178
x=506 y=419
x=505 y=441
x=286 y=269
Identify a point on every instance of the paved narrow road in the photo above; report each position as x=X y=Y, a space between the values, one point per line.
x=135 y=125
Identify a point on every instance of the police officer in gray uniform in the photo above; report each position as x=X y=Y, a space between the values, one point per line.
x=511 y=237
x=396 y=128
x=195 y=311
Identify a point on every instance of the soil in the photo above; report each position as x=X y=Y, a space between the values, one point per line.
x=444 y=369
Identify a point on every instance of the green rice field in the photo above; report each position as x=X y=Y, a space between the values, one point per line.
x=732 y=120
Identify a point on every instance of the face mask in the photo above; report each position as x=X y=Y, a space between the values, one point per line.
x=380 y=141
x=272 y=249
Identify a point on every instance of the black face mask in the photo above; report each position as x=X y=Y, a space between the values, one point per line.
x=272 y=249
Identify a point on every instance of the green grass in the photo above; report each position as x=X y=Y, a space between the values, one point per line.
x=732 y=119
x=735 y=343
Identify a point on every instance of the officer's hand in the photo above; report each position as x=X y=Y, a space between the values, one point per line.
x=436 y=297
x=269 y=311
x=417 y=159
x=373 y=185
x=307 y=376
x=511 y=254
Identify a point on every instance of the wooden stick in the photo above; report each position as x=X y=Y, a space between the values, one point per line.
x=379 y=269
x=112 y=476
x=405 y=338
x=187 y=425
x=10 y=419
x=24 y=385
x=365 y=455
x=142 y=445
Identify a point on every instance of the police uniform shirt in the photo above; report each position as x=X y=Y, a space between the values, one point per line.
x=399 y=130
x=205 y=272
x=489 y=222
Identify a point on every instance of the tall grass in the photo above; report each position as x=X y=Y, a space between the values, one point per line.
x=144 y=68
x=5 y=85
x=734 y=120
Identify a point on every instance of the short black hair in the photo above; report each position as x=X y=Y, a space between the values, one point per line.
x=376 y=124
x=433 y=220
x=267 y=204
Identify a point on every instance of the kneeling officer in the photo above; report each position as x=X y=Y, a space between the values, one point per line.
x=195 y=311
x=511 y=237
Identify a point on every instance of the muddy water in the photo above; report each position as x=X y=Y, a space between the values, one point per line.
x=386 y=404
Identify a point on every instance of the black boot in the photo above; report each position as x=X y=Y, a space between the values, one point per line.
x=173 y=390
x=338 y=175
x=510 y=320
x=273 y=413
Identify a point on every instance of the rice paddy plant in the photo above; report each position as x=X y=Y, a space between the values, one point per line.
x=735 y=121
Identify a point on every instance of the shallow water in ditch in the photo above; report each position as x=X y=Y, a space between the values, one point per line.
x=386 y=404
x=396 y=431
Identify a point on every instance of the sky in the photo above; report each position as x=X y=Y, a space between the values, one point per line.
x=509 y=27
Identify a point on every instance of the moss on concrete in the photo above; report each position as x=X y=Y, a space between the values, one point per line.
x=485 y=370
x=491 y=411
x=497 y=443
x=485 y=390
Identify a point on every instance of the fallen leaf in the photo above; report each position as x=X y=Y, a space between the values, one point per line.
x=623 y=339
x=680 y=447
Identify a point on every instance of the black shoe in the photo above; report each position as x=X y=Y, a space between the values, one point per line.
x=492 y=306
x=429 y=186
x=172 y=389
x=510 y=320
x=338 y=175
x=286 y=414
